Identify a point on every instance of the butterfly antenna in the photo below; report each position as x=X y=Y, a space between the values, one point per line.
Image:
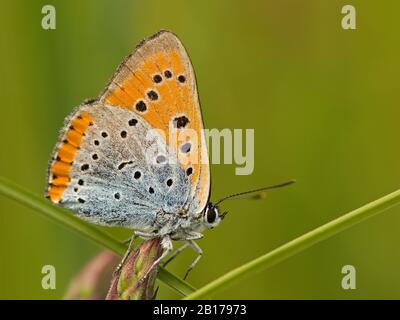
x=261 y=195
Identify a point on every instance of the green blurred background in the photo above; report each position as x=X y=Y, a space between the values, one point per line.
x=324 y=103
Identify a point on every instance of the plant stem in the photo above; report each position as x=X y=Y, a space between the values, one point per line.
x=65 y=218
x=299 y=244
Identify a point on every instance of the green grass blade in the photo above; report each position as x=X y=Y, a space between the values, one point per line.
x=299 y=244
x=65 y=218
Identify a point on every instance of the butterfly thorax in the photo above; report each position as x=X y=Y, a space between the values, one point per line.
x=182 y=227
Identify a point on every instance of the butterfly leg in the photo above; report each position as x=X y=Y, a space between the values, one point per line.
x=166 y=244
x=189 y=236
x=175 y=254
x=146 y=235
x=197 y=248
x=136 y=234
x=194 y=236
x=131 y=241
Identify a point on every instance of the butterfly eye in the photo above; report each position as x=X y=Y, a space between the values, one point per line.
x=211 y=215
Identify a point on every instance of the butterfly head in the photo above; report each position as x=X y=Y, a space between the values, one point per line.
x=212 y=216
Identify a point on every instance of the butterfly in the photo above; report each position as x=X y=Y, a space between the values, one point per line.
x=136 y=156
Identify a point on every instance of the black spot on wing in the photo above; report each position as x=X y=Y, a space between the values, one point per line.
x=180 y=122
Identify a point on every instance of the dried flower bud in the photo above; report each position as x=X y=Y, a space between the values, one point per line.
x=92 y=281
x=127 y=283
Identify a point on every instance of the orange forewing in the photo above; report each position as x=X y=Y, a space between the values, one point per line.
x=160 y=76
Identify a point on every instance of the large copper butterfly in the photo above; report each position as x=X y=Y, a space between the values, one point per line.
x=136 y=156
